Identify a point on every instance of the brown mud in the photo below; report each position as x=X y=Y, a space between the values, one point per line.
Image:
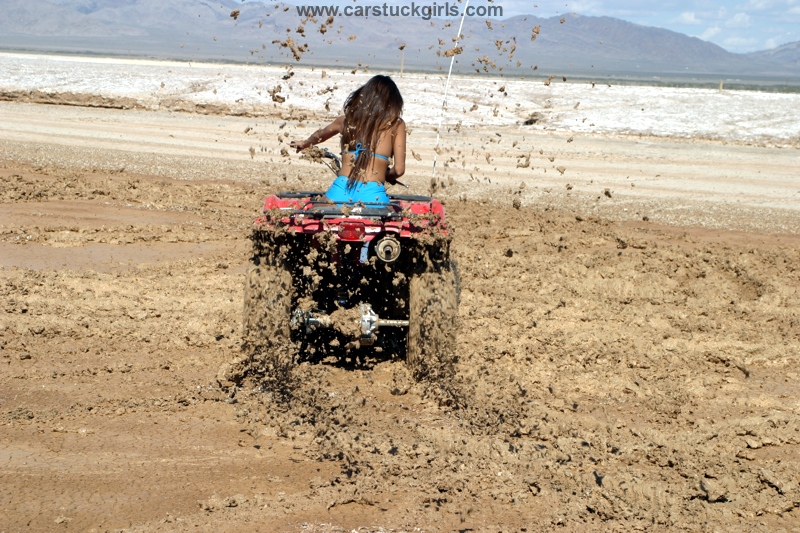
x=608 y=375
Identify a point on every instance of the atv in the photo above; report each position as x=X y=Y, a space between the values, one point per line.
x=337 y=280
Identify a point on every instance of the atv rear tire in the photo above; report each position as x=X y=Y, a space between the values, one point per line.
x=433 y=309
x=268 y=350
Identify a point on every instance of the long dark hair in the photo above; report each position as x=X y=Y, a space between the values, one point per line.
x=369 y=111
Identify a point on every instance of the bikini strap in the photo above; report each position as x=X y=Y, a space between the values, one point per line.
x=360 y=148
x=357 y=152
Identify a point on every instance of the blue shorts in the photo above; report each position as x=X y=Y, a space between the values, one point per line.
x=371 y=192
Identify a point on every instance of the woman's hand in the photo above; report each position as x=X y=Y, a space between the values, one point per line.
x=319 y=136
x=299 y=146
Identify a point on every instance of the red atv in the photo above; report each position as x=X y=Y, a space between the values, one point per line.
x=341 y=280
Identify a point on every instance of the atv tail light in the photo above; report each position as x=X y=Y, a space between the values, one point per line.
x=351 y=231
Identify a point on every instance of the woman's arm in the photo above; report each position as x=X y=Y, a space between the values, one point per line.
x=321 y=135
x=398 y=153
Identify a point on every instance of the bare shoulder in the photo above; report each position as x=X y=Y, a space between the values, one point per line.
x=399 y=126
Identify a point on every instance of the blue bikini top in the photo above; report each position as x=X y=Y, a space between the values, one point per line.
x=360 y=148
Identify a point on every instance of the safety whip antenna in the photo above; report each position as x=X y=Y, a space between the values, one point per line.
x=446 y=87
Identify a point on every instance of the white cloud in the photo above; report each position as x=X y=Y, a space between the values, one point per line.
x=739 y=20
x=759 y=5
x=710 y=32
x=771 y=43
x=688 y=17
x=583 y=6
x=739 y=42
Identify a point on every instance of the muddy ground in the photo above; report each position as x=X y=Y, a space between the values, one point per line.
x=613 y=373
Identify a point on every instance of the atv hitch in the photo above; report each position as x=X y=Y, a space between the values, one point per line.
x=368 y=322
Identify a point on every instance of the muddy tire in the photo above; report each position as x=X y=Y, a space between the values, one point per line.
x=267 y=308
x=433 y=309
x=267 y=348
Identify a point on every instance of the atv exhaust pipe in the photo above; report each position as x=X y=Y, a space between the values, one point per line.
x=388 y=249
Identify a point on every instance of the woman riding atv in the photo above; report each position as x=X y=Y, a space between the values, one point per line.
x=373 y=135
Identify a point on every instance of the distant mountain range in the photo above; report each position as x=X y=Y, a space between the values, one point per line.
x=228 y=30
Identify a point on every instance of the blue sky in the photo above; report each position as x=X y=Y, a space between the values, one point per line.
x=737 y=26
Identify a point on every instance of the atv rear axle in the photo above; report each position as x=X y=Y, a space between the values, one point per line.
x=368 y=322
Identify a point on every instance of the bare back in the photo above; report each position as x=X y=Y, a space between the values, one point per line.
x=391 y=144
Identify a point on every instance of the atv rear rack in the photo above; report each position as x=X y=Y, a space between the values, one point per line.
x=406 y=216
x=311 y=194
x=317 y=209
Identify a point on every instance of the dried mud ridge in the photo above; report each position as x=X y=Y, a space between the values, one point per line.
x=121 y=102
x=608 y=376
